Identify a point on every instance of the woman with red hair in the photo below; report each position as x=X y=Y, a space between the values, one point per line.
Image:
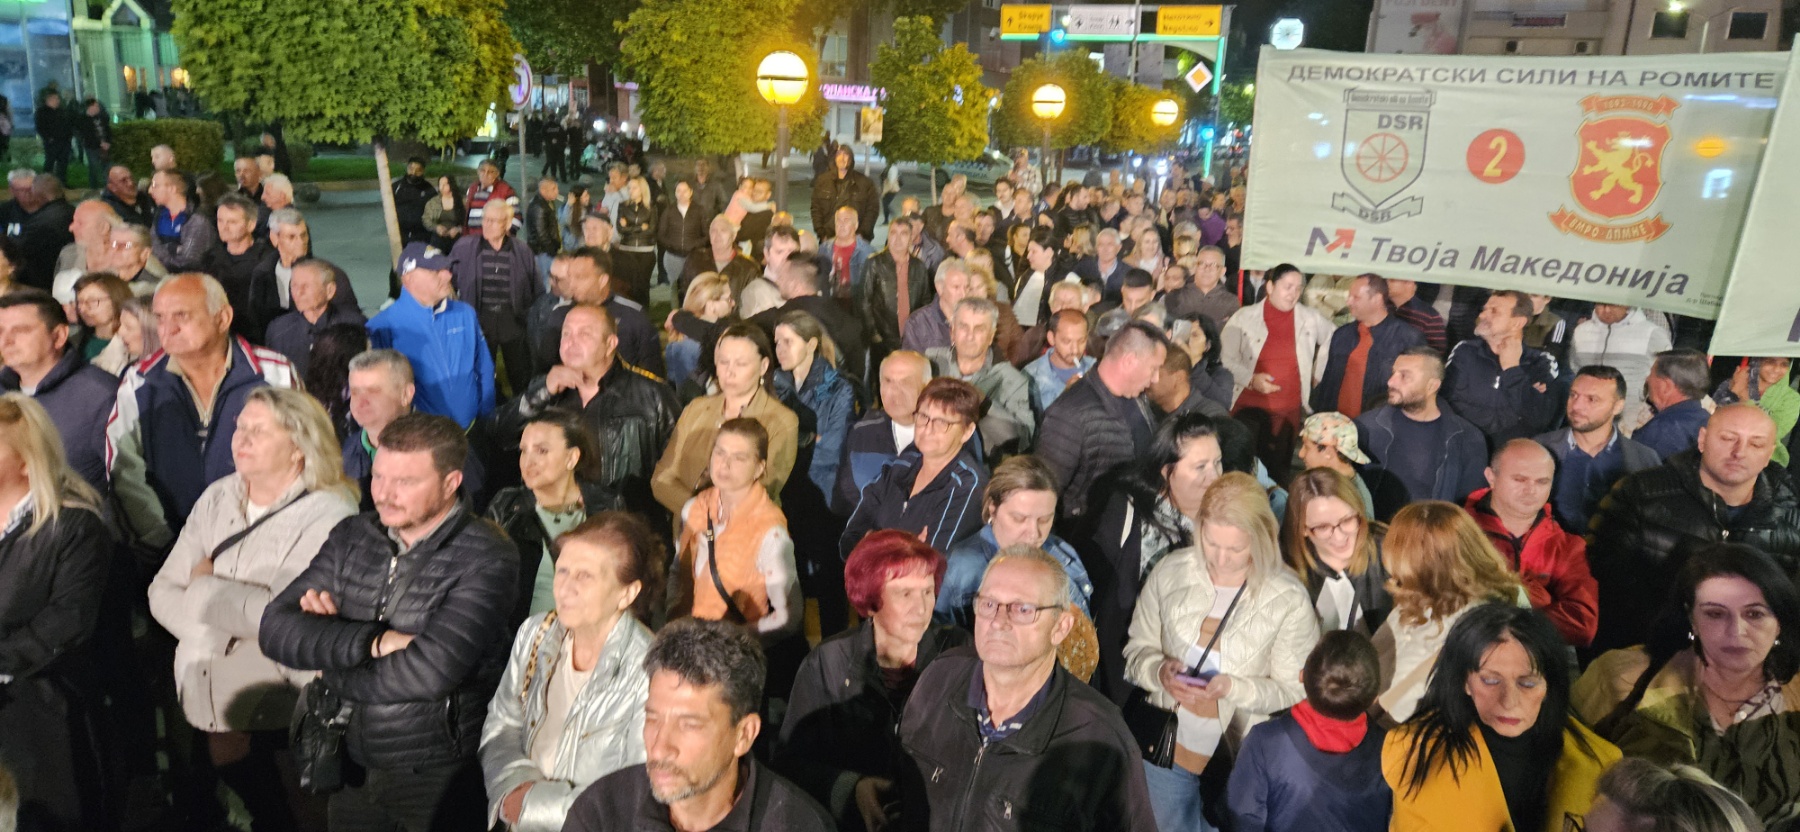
x=839 y=741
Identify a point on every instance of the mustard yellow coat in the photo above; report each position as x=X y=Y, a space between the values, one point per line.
x=1474 y=802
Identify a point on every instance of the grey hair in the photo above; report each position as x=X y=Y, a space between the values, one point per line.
x=1681 y=798
x=216 y=299
x=278 y=182
x=1062 y=595
x=953 y=265
x=726 y=221
x=393 y=361
x=986 y=308
x=286 y=217
x=21 y=175
x=139 y=234
x=1686 y=368
x=712 y=654
x=1106 y=233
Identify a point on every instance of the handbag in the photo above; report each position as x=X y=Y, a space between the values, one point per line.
x=318 y=739
x=1152 y=727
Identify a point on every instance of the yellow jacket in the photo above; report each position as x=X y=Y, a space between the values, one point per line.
x=1474 y=802
x=684 y=460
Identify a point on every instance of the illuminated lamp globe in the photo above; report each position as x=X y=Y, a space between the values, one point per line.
x=1165 y=112
x=1048 y=102
x=781 y=78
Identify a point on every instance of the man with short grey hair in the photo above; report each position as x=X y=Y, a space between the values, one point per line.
x=1023 y=720
x=292 y=333
x=1009 y=423
x=122 y=194
x=381 y=390
x=169 y=436
x=1676 y=389
x=497 y=274
x=929 y=326
x=1104 y=269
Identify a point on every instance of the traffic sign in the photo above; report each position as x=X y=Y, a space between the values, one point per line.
x=1103 y=20
x=1188 y=21
x=1018 y=19
x=1199 y=77
x=521 y=85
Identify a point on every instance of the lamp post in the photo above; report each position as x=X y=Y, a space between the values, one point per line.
x=1165 y=112
x=781 y=79
x=1047 y=103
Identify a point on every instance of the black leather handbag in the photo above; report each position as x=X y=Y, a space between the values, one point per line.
x=318 y=739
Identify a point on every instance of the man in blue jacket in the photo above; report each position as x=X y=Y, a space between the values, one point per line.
x=1418 y=450
x=1678 y=381
x=452 y=368
x=1507 y=389
x=41 y=362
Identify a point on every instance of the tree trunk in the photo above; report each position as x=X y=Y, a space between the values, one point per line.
x=934 y=191
x=389 y=215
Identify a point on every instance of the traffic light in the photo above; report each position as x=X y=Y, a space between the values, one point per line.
x=1207 y=133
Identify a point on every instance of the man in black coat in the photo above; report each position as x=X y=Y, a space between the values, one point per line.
x=45 y=232
x=94 y=129
x=700 y=719
x=55 y=128
x=1004 y=737
x=798 y=281
x=884 y=322
x=585 y=276
x=405 y=612
x=1365 y=347
x=1726 y=490
x=844 y=185
x=411 y=192
x=245 y=266
x=1112 y=395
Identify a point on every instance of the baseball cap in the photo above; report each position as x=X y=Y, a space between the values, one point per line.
x=1333 y=428
x=423 y=256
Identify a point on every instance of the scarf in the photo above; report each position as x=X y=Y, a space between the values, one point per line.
x=1332 y=736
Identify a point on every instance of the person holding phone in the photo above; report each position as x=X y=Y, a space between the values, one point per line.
x=1218 y=640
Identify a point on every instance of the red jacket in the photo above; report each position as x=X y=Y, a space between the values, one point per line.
x=1553 y=566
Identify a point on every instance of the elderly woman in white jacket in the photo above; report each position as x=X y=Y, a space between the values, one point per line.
x=1232 y=595
x=249 y=536
x=570 y=708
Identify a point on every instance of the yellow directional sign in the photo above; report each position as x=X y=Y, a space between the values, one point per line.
x=1025 y=20
x=1189 y=21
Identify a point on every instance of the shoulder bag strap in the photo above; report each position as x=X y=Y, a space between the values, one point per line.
x=238 y=536
x=531 y=661
x=712 y=566
x=1220 y=630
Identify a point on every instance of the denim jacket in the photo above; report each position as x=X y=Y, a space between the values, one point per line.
x=968 y=561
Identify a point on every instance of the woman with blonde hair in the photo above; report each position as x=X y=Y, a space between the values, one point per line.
x=54 y=550
x=696 y=325
x=634 y=252
x=1336 y=550
x=1218 y=639
x=249 y=536
x=1440 y=564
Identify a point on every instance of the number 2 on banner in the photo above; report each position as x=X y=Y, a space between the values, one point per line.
x=1496 y=156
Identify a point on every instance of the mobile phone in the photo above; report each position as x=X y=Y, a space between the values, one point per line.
x=1197 y=675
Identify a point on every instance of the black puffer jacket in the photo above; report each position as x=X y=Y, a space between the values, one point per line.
x=1084 y=437
x=515 y=510
x=631 y=418
x=1646 y=527
x=423 y=705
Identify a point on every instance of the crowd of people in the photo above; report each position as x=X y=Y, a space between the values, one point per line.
x=1048 y=514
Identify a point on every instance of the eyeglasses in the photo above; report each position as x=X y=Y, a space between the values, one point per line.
x=924 y=422
x=1346 y=526
x=1017 y=612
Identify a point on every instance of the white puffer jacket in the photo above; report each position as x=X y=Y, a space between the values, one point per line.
x=1263 y=648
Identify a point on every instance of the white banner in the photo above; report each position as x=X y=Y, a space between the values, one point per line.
x=1611 y=179
x=1761 y=313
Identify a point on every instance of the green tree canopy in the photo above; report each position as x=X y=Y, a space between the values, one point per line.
x=1084 y=120
x=1133 y=130
x=695 y=65
x=562 y=36
x=924 y=122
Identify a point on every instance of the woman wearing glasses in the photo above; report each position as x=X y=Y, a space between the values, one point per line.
x=1218 y=640
x=1336 y=550
x=934 y=487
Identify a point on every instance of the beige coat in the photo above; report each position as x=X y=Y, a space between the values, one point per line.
x=1245 y=333
x=1262 y=649
x=225 y=682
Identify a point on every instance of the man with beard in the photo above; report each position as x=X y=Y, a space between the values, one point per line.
x=1418 y=450
x=706 y=680
x=1591 y=454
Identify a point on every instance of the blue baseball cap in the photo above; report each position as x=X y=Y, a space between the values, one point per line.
x=423 y=256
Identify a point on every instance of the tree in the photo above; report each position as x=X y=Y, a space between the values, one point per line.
x=564 y=36
x=1133 y=130
x=695 y=65
x=936 y=106
x=351 y=71
x=1085 y=118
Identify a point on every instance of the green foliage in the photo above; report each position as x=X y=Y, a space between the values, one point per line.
x=199 y=145
x=923 y=122
x=347 y=71
x=695 y=65
x=1132 y=129
x=561 y=36
x=1084 y=120
x=937 y=10
x=1237 y=103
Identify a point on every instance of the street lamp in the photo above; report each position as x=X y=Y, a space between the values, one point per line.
x=1047 y=103
x=1165 y=112
x=781 y=79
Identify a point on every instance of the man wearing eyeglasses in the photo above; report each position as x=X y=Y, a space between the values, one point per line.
x=1552 y=563
x=1004 y=735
